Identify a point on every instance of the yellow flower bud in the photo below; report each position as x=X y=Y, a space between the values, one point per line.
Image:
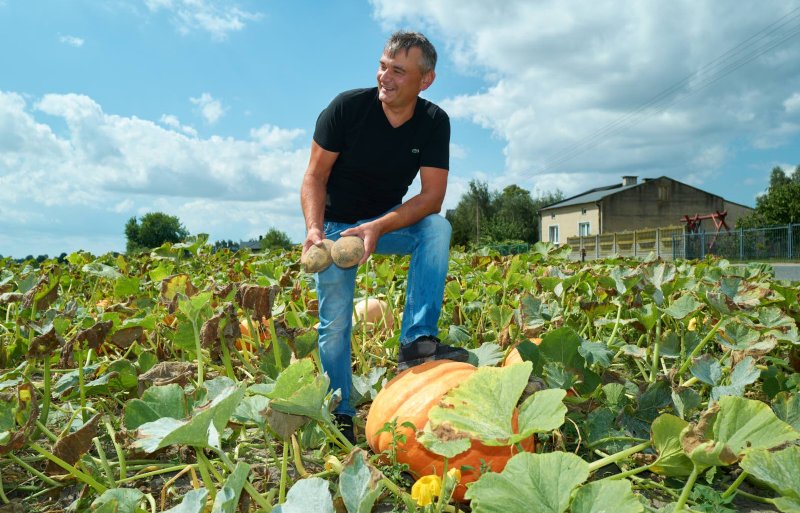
x=25 y=395
x=455 y=473
x=425 y=489
x=332 y=463
x=692 y=324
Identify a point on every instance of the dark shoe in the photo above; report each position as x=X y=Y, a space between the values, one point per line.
x=345 y=425
x=426 y=349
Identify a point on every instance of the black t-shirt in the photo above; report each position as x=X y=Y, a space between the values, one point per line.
x=377 y=162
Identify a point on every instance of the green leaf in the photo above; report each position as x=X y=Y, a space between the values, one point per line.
x=227 y=499
x=299 y=391
x=529 y=482
x=102 y=270
x=684 y=401
x=604 y=496
x=447 y=448
x=193 y=502
x=309 y=495
x=561 y=346
x=488 y=353
x=647 y=315
x=596 y=352
x=364 y=386
x=156 y=402
x=748 y=425
x=118 y=500
x=666 y=433
x=125 y=286
x=541 y=412
x=742 y=375
x=359 y=483
x=202 y=430
x=458 y=335
x=483 y=405
x=252 y=410
x=706 y=369
x=780 y=470
x=683 y=306
x=787 y=407
x=787 y=505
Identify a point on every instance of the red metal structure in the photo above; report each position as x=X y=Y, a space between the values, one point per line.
x=693 y=224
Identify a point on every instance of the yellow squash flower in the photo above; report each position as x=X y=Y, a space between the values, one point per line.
x=425 y=489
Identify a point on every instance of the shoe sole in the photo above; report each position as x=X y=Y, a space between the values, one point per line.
x=456 y=356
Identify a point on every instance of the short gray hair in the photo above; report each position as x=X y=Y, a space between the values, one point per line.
x=402 y=40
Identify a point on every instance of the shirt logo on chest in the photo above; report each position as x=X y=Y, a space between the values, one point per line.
x=414 y=150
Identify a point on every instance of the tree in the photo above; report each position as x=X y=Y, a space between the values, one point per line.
x=779 y=205
x=482 y=216
x=472 y=212
x=155 y=229
x=275 y=239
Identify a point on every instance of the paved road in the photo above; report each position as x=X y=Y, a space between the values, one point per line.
x=787 y=271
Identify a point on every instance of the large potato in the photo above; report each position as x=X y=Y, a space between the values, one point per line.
x=317 y=258
x=347 y=251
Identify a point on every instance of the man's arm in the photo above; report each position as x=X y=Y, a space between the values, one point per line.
x=428 y=201
x=313 y=192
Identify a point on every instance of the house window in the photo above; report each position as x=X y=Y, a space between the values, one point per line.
x=583 y=211
x=554 y=234
x=583 y=229
x=552 y=216
x=663 y=192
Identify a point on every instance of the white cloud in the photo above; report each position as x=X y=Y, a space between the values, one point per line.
x=274 y=137
x=457 y=151
x=217 y=17
x=58 y=191
x=210 y=108
x=566 y=82
x=77 y=42
x=173 y=122
x=792 y=104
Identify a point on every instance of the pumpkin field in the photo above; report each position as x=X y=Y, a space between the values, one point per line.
x=188 y=381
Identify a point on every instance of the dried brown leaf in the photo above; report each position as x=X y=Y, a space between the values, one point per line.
x=25 y=394
x=93 y=337
x=123 y=338
x=44 y=345
x=70 y=448
x=257 y=299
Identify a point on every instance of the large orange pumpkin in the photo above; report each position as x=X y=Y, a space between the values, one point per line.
x=408 y=398
x=262 y=328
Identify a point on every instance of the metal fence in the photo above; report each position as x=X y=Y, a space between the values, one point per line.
x=772 y=243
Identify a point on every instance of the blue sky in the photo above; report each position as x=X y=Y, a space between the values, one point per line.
x=205 y=109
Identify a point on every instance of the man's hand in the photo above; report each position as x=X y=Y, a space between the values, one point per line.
x=369 y=233
x=314 y=237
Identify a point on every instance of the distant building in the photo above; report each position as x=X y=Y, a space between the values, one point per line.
x=633 y=205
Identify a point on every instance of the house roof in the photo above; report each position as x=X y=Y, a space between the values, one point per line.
x=592 y=195
x=598 y=193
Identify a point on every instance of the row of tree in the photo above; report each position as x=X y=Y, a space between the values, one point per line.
x=485 y=217
x=779 y=205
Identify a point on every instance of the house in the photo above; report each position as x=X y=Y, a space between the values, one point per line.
x=633 y=205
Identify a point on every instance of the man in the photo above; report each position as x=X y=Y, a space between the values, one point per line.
x=369 y=145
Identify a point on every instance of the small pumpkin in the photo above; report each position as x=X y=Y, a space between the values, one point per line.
x=514 y=356
x=262 y=328
x=408 y=398
x=376 y=312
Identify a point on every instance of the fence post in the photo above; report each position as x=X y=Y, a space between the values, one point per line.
x=673 y=247
x=597 y=245
x=702 y=245
x=789 y=246
x=741 y=243
x=658 y=242
x=634 y=243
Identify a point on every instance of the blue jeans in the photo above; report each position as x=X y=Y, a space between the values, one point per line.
x=428 y=243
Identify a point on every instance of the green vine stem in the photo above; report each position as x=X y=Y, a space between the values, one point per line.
x=104 y=462
x=284 y=469
x=198 y=346
x=732 y=488
x=33 y=471
x=123 y=466
x=686 y=489
x=298 y=459
x=688 y=362
x=74 y=472
x=205 y=475
x=656 y=351
x=248 y=486
x=613 y=458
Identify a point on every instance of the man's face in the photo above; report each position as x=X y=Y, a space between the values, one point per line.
x=400 y=79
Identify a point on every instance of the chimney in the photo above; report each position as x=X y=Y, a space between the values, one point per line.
x=629 y=180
